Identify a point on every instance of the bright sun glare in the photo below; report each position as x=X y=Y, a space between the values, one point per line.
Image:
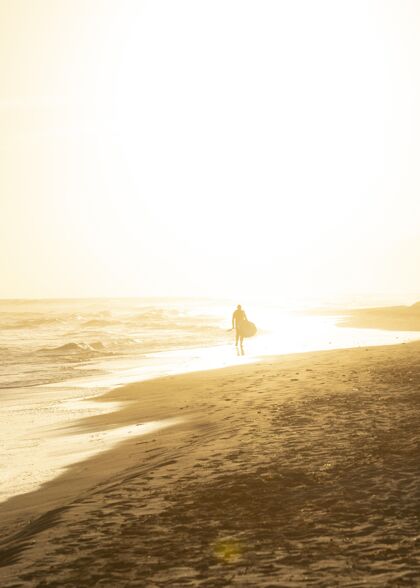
x=203 y=147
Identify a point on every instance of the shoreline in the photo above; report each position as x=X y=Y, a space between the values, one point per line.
x=77 y=446
x=225 y=413
x=33 y=436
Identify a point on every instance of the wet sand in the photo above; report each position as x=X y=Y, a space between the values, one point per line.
x=396 y=318
x=301 y=470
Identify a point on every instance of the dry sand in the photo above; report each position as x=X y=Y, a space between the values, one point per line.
x=301 y=470
x=391 y=318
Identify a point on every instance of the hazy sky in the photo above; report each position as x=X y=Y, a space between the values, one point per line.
x=214 y=147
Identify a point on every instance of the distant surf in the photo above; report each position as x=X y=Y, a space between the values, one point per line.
x=50 y=341
x=56 y=356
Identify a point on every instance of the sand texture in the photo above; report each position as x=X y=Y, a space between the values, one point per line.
x=393 y=318
x=298 y=471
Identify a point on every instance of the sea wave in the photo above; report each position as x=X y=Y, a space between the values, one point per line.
x=69 y=348
x=28 y=323
x=148 y=317
x=94 y=347
x=99 y=323
x=44 y=341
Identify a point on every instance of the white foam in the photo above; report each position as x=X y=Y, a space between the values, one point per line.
x=37 y=458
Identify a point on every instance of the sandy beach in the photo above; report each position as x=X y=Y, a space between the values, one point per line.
x=300 y=470
x=396 y=318
x=209 y=294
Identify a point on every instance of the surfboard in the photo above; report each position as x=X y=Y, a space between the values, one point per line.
x=248 y=329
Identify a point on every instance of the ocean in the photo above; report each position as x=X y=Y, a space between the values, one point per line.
x=54 y=340
x=56 y=356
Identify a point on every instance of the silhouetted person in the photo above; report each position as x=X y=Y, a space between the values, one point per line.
x=238 y=319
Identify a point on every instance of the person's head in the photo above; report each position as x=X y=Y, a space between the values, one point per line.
x=239 y=307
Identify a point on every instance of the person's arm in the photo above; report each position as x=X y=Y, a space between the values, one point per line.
x=233 y=320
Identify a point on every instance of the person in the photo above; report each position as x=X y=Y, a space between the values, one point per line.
x=238 y=319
